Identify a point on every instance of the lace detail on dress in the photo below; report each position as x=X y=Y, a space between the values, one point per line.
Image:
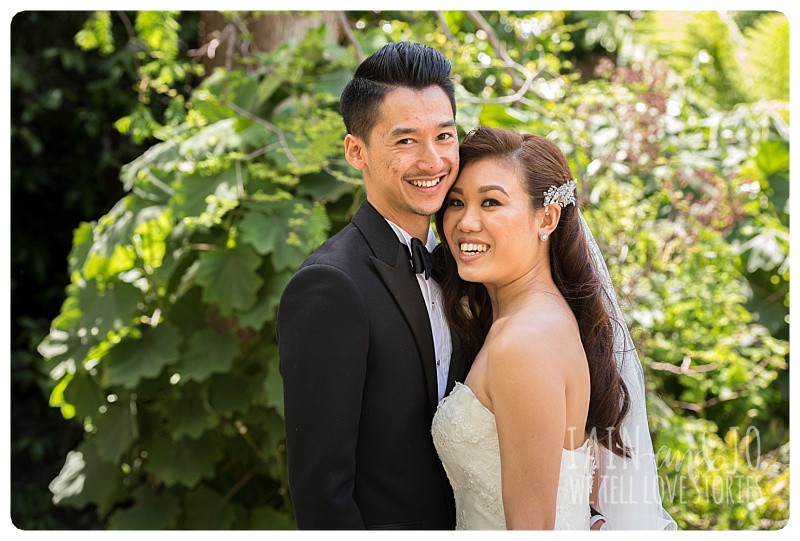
x=465 y=435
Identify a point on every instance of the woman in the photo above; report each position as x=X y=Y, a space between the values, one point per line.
x=518 y=438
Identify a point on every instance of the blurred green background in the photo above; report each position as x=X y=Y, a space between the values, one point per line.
x=170 y=170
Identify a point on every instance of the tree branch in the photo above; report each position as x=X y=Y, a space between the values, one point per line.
x=143 y=80
x=351 y=37
x=445 y=27
x=267 y=124
x=683 y=370
x=498 y=46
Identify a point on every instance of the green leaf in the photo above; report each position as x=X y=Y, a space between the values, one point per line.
x=104 y=310
x=271 y=427
x=57 y=398
x=65 y=350
x=84 y=395
x=212 y=140
x=116 y=430
x=206 y=510
x=82 y=239
x=111 y=252
x=273 y=383
x=498 y=116
x=189 y=313
x=153 y=187
x=331 y=83
x=136 y=358
x=189 y=415
x=149 y=511
x=150 y=238
x=192 y=191
x=323 y=186
x=183 y=462
x=229 y=278
x=85 y=478
x=267 y=518
x=268 y=299
x=96 y=33
x=773 y=157
x=290 y=230
x=163 y=155
x=229 y=393
x=255 y=135
x=208 y=352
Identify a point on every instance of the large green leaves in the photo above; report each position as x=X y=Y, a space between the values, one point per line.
x=150 y=511
x=207 y=352
x=86 y=478
x=229 y=278
x=207 y=510
x=193 y=191
x=273 y=384
x=267 y=518
x=116 y=429
x=189 y=415
x=183 y=462
x=287 y=229
x=136 y=358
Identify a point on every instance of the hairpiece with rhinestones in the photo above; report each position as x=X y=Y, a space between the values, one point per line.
x=563 y=195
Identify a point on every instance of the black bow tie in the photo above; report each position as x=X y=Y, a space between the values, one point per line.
x=421 y=258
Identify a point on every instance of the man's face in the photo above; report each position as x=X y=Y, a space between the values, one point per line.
x=411 y=159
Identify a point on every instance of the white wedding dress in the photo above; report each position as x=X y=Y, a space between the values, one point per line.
x=465 y=436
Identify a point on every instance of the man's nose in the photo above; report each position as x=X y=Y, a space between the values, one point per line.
x=431 y=158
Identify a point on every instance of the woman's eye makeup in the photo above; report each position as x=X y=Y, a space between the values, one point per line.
x=455 y=202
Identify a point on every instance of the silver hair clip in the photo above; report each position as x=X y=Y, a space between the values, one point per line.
x=563 y=195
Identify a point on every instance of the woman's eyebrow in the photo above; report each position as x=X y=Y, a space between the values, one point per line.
x=482 y=189
x=491 y=187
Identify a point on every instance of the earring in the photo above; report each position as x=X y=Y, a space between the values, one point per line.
x=543 y=235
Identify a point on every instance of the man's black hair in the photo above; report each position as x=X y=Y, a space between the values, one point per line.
x=400 y=64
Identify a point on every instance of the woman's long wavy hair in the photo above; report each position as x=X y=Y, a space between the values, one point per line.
x=541 y=164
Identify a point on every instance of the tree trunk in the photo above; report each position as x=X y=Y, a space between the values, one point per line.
x=221 y=37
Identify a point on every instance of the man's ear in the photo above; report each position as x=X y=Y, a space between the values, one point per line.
x=355 y=151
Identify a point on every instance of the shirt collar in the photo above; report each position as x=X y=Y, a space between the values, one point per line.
x=405 y=238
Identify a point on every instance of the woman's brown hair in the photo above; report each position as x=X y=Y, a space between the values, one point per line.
x=541 y=164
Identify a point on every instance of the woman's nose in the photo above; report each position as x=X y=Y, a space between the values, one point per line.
x=469 y=220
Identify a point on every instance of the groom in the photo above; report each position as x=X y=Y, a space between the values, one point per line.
x=365 y=350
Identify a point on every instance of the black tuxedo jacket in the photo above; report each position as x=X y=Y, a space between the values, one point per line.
x=359 y=375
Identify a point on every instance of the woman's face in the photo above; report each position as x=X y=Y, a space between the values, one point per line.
x=489 y=224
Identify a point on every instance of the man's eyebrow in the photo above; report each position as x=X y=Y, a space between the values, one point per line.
x=400 y=130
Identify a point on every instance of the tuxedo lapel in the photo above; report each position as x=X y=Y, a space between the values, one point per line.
x=457 y=371
x=391 y=261
x=403 y=286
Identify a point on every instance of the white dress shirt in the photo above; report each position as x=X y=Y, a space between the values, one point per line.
x=432 y=294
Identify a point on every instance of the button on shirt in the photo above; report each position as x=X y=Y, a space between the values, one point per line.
x=432 y=294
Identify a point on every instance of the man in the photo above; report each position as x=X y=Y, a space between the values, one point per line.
x=365 y=351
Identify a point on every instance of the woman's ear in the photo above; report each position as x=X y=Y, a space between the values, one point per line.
x=355 y=151
x=549 y=221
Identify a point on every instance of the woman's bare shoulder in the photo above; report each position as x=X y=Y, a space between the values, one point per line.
x=529 y=345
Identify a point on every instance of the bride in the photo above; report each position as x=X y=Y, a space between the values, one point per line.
x=548 y=405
